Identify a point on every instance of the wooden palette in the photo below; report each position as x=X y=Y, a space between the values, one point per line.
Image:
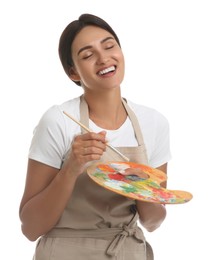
x=110 y=176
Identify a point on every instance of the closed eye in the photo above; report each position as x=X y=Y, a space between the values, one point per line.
x=87 y=56
x=110 y=47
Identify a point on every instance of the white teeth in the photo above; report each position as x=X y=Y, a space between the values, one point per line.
x=102 y=72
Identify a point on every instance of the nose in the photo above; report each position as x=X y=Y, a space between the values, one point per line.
x=102 y=58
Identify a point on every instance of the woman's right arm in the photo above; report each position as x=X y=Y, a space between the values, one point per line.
x=47 y=189
x=45 y=197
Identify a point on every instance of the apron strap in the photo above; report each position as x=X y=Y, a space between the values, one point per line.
x=84 y=113
x=119 y=239
x=137 y=130
x=84 y=118
x=127 y=231
x=135 y=122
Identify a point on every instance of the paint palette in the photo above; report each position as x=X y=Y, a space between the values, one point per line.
x=143 y=183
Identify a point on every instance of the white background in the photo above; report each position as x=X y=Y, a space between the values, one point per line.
x=166 y=45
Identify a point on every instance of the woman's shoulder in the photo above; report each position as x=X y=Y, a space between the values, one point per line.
x=146 y=113
x=70 y=106
x=54 y=114
x=142 y=109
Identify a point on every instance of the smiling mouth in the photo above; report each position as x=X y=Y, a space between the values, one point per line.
x=107 y=70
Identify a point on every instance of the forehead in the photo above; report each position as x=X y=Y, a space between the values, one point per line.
x=89 y=35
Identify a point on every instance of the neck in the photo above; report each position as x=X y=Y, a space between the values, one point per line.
x=106 y=111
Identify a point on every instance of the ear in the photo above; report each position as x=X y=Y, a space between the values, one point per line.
x=73 y=74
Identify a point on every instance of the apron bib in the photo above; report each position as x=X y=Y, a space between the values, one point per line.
x=99 y=230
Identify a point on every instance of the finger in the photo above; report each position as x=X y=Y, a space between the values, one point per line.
x=103 y=133
x=94 y=136
x=90 y=150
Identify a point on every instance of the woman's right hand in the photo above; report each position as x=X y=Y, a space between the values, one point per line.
x=48 y=189
x=85 y=148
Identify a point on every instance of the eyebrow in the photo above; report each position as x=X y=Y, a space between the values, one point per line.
x=90 y=46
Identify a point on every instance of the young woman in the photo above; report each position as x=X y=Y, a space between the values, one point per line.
x=73 y=217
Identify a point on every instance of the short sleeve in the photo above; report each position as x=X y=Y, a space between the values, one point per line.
x=161 y=153
x=48 y=144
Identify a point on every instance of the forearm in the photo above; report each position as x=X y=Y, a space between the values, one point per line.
x=43 y=211
x=151 y=215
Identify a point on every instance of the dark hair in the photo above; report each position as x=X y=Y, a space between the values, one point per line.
x=69 y=34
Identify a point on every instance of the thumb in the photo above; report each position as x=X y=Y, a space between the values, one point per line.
x=103 y=133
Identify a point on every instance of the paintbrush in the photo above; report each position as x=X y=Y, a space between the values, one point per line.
x=88 y=130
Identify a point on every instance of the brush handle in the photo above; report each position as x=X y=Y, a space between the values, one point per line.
x=88 y=130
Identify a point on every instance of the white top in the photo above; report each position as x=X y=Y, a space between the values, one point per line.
x=124 y=136
x=55 y=132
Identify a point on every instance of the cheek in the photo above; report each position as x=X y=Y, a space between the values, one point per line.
x=85 y=71
x=119 y=56
x=85 y=74
x=80 y=68
x=121 y=60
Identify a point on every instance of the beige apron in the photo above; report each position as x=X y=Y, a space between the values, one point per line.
x=98 y=224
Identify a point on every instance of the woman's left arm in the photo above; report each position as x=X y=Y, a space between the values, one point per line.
x=151 y=215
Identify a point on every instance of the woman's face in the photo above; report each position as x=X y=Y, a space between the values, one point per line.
x=98 y=59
